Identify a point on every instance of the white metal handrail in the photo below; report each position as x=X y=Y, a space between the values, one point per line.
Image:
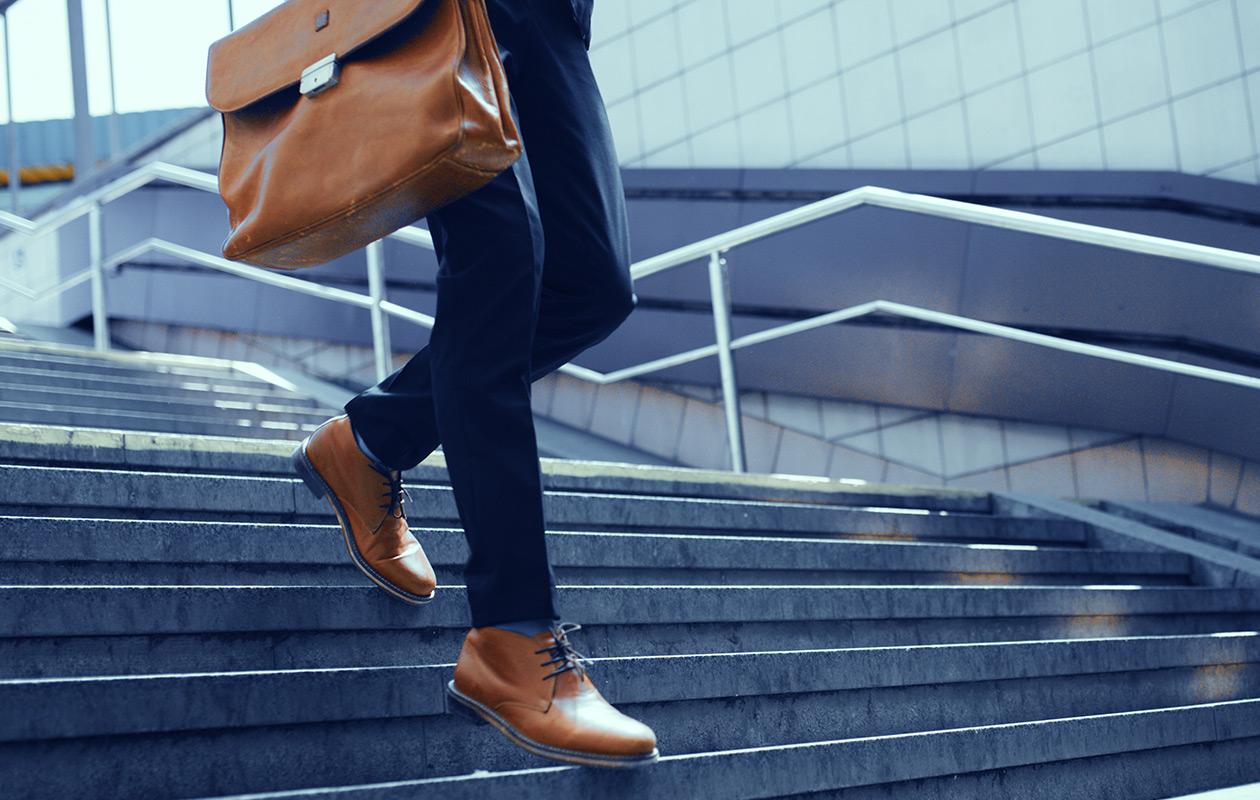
x=961 y=212
x=710 y=248
x=48 y=291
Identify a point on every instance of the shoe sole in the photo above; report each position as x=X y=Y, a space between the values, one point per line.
x=464 y=705
x=319 y=487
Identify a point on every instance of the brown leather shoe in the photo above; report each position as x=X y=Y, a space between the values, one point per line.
x=368 y=502
x=535 y=689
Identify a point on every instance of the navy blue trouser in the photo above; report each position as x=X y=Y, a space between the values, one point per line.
x=533 y=268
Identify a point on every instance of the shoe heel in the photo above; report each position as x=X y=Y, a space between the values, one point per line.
x=302 y=466
x=456 y=707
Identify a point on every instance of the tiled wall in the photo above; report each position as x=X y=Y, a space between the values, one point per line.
x=1041 y=84
x=886 y=444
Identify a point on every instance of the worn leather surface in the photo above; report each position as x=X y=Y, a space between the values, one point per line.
x=384 y=541
x=501 y=670
x=420 y=116
x=280 y=44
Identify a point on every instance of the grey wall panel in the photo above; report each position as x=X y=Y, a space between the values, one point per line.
x=1025 y=280
x=658 y=225
x=866 y=254
x=1019 y=279
x=909 y=368
x=1219 y=416
x=1024 y=381
x=648 y=334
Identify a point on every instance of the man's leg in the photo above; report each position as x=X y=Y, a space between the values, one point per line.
x=566 y=328
x=570 y=321
x=490 y=249
x=486 y=345
x=586 y=287
x=586 y=291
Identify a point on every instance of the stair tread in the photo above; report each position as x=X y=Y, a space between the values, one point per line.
x=235 y=494
x=30 y=538
x=105 y=448
x=100 y=399
x=167 y=702
x=849 y=762
x=157 y=384
x=83 y=610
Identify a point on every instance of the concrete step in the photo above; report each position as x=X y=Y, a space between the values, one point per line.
x=429 y=642
x=241 y=718
x=120 y=369
x=52 y=550
x=195 y=389
x=1125 y=776
x=223 y=409
x=1121 y=756
x=150 y=421
x=31 y=611
x=157 y=452
x=903 y=688
x=215 y=574
x=215 y=762
x=86 y=492
x=179 y=574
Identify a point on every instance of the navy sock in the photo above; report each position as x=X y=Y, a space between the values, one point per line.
x=363 y=448
x=528 y=627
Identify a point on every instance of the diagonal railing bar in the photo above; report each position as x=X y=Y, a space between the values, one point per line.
x=944 y=320
x=153 y=245
x=35 y=295
x=1000 y=331
x=961 y=212
x=710 y=249
x=20 y=224
x=202 y=259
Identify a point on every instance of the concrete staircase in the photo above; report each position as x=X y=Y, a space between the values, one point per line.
x=66 y=383
x=178 y=619
x=43 y=382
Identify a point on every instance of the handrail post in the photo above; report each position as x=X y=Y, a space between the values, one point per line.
x=115 y=137
x=719 y=289
x=96 y=257
x=380 y=323
x=15 y=169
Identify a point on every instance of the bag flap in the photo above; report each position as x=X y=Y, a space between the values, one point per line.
x=269 y=54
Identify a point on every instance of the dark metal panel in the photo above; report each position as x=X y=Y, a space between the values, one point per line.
x=1220 y=416
x=863 y=255
x=898 y=367
x=1011 y=379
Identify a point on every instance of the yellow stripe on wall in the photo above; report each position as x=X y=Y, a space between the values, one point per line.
x=48 y=173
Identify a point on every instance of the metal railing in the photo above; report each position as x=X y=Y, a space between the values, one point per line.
x=710 y=249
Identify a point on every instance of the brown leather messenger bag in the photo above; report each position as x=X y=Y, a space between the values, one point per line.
x=344 y=120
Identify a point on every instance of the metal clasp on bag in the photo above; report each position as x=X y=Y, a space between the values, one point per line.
x=320 y=76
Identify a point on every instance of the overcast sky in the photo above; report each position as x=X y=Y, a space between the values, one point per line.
x=159 y=53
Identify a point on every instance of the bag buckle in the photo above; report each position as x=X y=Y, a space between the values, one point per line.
x=320 y=76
